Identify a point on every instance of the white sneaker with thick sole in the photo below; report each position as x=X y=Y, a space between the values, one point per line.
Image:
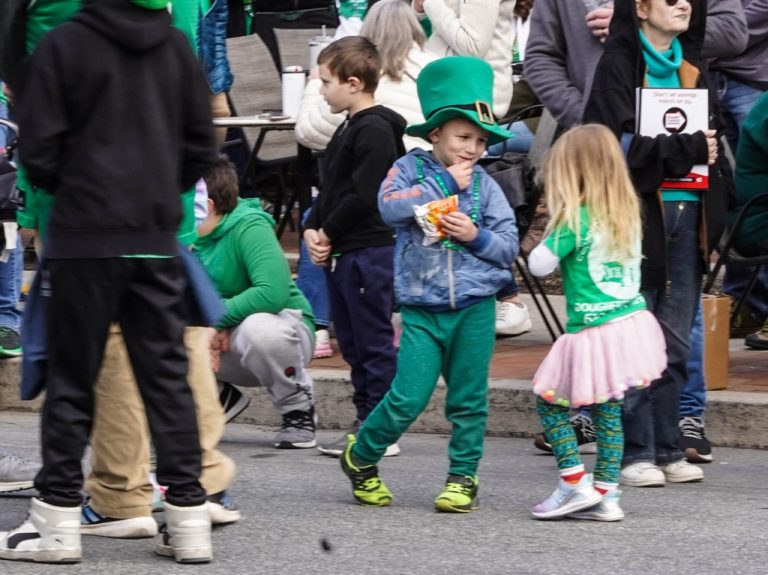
x=49 y=535
x=682 y=472
x=512 y=318
x=642 y=474
x=607 y=510
x=94 y=523
x=186 y=534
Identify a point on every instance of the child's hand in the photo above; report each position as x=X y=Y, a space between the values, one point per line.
x=711 y=146
x=460 y=226
x=318 y=246
x=219 y=344
x=461 y=174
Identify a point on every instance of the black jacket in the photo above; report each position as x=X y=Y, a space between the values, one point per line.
x=612 y=102
x=356 y=162
x=116 y=123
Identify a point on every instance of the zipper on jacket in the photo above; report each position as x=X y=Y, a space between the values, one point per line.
x=451 y=286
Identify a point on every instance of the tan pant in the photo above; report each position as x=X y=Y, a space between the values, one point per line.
x=220 y=109
x=119 y=482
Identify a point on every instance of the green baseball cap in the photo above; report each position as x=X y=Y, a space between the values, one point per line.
x=457 y=87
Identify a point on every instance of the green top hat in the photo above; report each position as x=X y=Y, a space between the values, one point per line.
x=457 y=87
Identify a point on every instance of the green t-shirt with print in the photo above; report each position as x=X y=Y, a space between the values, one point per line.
x=597 y=289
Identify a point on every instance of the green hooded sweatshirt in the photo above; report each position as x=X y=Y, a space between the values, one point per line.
x=248 y=267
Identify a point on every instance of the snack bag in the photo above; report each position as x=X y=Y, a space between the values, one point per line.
x=428 y=217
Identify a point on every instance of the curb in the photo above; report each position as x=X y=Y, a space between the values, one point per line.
x=734 y=418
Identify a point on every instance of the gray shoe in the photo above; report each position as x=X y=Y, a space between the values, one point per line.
x=336 y=447
x=298 y=430
x=16 y=473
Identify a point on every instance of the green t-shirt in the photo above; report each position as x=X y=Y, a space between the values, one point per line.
x=597 y=290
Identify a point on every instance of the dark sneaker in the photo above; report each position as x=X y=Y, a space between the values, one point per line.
x=232 y=400
x=10 y=343
x=94 y=523
x=222 y=509
x=693 y=442
x=298 y=430
x=367 y=487
x=585 y=435
x=758 y=340
x=459 y=495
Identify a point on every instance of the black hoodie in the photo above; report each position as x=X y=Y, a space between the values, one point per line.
x=357 y=160
x=612 y=102
x=116 y=123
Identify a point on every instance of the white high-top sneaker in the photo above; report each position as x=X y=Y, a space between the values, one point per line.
x=186 y=534
x=49 y=535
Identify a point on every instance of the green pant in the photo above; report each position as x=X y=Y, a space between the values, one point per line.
x=457 y=344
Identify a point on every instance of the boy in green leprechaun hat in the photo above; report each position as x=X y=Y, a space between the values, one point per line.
x=456 y=240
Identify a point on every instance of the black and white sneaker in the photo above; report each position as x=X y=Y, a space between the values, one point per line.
x=585 y=435
x=693 y=442
x=298 y=431
x=232 y=400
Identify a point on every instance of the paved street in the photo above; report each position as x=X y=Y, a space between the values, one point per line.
x=292 y=500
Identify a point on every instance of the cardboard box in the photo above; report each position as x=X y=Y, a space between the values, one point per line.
x=717 y=318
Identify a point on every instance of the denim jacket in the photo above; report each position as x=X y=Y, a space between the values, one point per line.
x=213 y=47
x=438 y=276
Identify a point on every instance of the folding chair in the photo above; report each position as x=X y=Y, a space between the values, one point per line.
x=731 y=256
x=257 y=88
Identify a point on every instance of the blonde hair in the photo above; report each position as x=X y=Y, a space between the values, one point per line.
x=393 y=28
x=586 y=167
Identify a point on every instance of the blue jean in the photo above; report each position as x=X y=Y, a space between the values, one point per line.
x=736 y=100
x=735 y=283
x=693 y=399
x=310 y=279
x=3 y=130
x=522 y=141
x=10 y=271
x=651 y=415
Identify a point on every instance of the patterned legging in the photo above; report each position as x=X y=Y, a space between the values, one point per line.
x=610 y=437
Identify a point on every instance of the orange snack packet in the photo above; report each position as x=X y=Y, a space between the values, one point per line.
x=428 y=217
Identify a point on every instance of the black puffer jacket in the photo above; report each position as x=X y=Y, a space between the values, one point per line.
x=612 y=102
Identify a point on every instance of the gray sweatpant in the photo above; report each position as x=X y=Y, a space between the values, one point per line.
x=272 y=350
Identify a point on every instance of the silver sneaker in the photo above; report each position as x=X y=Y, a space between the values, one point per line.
x=337 y=446
x=16 y=473
x=607 y=510
x=568 y=498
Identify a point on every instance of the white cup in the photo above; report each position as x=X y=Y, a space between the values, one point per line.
x=293 y=88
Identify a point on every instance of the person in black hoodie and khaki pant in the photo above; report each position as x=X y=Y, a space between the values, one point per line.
x=116 y=121
x=657 y=44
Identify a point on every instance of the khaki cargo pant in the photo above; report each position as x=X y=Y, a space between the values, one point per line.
x=119 y=481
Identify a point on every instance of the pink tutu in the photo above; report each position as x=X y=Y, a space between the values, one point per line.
x=600 y=363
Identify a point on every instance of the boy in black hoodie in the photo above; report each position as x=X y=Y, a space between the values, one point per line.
x=116 y=139
x=344 y=230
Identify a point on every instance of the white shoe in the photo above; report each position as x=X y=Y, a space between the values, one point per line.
x=607 y=510
x=322 y=344
x=642 y=474
x=392 y=451
x=682 y=472
x=568 y=498
x=512 y=318
x=186 y=534
x=49 y=535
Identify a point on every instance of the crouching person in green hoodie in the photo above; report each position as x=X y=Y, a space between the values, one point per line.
x=267 y=335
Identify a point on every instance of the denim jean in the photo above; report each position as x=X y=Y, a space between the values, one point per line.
x=521 y=142
x=310 y=279
x=735 y=283
x=736 y=100
x=10 y=271
x=693 y=399
x=3 y=130
x=651 y=415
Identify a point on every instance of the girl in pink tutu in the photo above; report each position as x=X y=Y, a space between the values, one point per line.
x=612 y=342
